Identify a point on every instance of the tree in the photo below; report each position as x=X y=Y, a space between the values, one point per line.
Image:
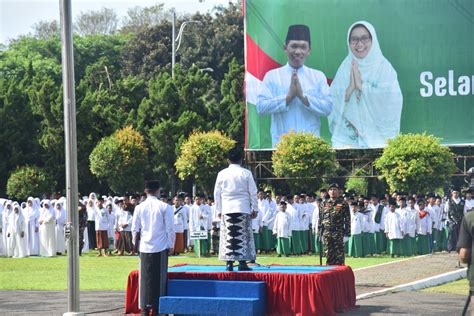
x=357 y=184
x=29 y=181
x=202 y=156
x=304 y=159
x=139 y=18
x=101 y=22
x=415 y=163
x=119 y=160
x=229 y=116
x=174 y=108
x=46 y=29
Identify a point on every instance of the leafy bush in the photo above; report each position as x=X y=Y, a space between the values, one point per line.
x=203 y=154
x=415 y=163
x=29 y=181
x=120 y=160
x=305 y=159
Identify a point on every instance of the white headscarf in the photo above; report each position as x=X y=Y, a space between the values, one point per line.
x=376 y=117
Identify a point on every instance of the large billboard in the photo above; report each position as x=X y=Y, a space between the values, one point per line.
x=358 y=72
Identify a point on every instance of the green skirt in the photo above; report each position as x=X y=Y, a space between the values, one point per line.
x=355 y=246
x=437 y=240
x=304 y=240
x=316 y=243
x=296 y=246
x=394 y=247
x=423 y=244
x=408 y=244
x=283 y=246
x=201 y=247
x=265 y=242
x=380 y=242
x=257 y=240
x=368 y=244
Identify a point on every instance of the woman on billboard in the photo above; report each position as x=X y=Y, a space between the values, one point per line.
x=367 y=100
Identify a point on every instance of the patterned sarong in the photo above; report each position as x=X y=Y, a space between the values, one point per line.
x=236 y=238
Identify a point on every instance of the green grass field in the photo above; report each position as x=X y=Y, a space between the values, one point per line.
x=110 y=273
x=460 y=287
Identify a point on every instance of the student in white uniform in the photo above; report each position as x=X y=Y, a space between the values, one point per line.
x=111 y=226
x=355 y=240
x=282 y=230
x=16 y=233
x=435 y=212
x=60 y=214
x=393 y=230
x=47 y=232
x=200 y=220
x=31 y=214
x=179 y=220
x=410 y=219
x=101 y=227
x=7 y=210
x=424 y=228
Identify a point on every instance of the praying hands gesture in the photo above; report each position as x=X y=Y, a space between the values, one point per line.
x=355 y=83
x=295 y=90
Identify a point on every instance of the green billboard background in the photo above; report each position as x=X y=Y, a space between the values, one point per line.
x=435 y=36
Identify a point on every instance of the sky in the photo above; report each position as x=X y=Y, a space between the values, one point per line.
x=17 y=16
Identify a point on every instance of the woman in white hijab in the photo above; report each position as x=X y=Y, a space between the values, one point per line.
x=47 y=221
x=60 y=214
x=31 y=213
x=367 y=100
x=7 y=210
x=16 y=232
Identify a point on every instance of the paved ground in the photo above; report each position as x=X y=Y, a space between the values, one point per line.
x=389 y=275
x=53 y=302
x=410 y=303
x=367 y=280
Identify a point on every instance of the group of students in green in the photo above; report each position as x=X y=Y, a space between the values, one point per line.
x=397 y=225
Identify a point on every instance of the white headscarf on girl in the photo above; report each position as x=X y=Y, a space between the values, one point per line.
x=375 y=118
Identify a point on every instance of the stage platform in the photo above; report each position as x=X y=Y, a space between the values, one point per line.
x=291 y=290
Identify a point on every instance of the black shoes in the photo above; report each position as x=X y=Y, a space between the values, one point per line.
x=243 y=266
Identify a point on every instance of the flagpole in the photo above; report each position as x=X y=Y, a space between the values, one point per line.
x=70 y=140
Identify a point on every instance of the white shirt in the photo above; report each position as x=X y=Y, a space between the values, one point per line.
x=235 y=191
x=153 y=219
x=282 y=227
x=393 y=226
x=425 y=225
x=257 y=223
x=196 y=223
x=111 y=227
x=356 y=223
x=410 y=220
x=101 y=219
x=295 y=116
x=179 y=219
x=435 y=212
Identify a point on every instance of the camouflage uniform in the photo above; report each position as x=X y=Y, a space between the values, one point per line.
x=336 y=223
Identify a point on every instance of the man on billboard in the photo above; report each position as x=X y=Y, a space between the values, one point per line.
x=295 y=95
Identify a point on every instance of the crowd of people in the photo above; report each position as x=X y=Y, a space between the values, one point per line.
x=398 y=225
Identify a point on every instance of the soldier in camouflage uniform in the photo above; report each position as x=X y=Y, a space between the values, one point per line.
x=335 y=222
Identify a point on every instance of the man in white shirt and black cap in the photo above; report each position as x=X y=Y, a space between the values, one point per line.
x=153 y=220
x=235 y=195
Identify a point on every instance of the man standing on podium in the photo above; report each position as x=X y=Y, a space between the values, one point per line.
x=235 y=195
x=153 y=221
